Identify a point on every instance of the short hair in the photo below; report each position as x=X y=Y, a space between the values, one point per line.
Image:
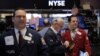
x=74 y=7
x=70 y=17
x=55 y=20
x=46 y=24
x=16 y=10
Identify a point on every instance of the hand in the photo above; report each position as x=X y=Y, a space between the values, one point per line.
x=66 y=43
x=71 y=46
x=86 y=54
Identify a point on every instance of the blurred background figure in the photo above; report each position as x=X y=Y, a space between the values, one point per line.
x=81 y=22
x=32 y=23
x=2 y=26
x=45 y=28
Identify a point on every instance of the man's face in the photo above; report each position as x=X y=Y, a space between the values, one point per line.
x=60 y=25
x=75 y=11
x=73 y=23
x=19 y=19
x=46 y=21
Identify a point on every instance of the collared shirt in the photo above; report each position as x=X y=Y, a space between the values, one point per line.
x=73 y=34
x=54 y=30
x=23 y=32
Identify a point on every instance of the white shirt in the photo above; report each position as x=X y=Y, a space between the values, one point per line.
x=73 y=34
x=23 y=32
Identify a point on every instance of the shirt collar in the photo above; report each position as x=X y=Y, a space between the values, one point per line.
x=23 y=31
x=54 y=30
x=75 y=30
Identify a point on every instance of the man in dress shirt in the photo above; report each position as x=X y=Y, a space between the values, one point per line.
x=21 y=41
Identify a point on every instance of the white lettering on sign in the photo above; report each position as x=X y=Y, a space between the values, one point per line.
x=56 y=3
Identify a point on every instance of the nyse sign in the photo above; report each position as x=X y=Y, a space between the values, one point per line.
x=56 y=3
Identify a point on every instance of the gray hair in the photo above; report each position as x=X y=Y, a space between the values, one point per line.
x=57 y=20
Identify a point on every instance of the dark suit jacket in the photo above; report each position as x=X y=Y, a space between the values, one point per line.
x=55 y=47
x=31 y=47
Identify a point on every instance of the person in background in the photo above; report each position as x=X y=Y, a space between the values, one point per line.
x=21 y=41
x=45 y=28
x=81 y=22
x=76 y=39
x=53 y=38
